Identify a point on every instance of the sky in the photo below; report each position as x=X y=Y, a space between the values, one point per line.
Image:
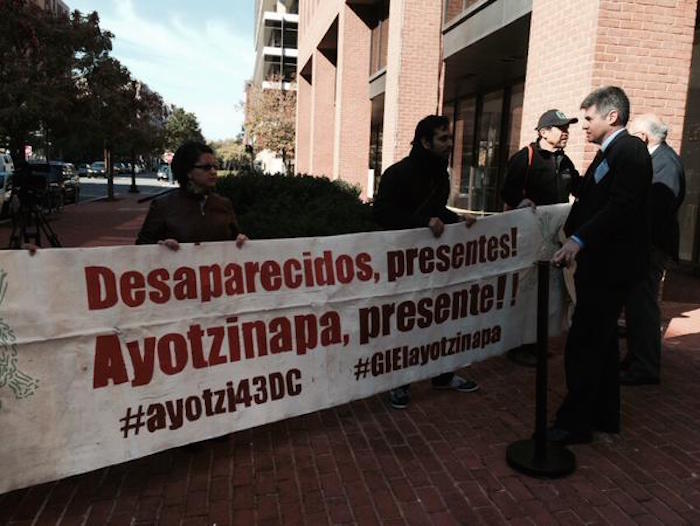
x=196 y=54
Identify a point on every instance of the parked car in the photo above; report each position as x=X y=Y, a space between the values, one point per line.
x=164 y=173
x=122 y=168
x=98 y=169
x=62 y=178
x=7 y=168
x=84 y=170
x=71 y=182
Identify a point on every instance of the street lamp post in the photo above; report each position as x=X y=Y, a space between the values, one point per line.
x=133 y=189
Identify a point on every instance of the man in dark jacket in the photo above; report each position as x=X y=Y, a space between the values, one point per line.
x=540 y=174
x=609 y=238
x=643 y=361
x=413 y=194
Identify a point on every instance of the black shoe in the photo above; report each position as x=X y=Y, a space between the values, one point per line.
x=621 y=329
x=457 y=383
x=627 y=378
x=626 y=362
x=399 y=398
x=607 y=429
x=525 y=355
x=557 y=435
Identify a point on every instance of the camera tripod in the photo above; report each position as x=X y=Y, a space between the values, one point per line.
x=28 y=224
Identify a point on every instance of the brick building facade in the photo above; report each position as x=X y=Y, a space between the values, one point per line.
x=370 y=69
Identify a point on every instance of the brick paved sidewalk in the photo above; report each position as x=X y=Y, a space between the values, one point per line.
x=441 y=461
x=94 y=223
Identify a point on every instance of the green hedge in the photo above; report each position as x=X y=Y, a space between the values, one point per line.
x=279 y=206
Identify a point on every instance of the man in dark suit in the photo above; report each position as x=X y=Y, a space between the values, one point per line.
x=609 y=238
x=643 y=361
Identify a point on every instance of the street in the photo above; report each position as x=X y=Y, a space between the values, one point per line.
x=95 y=188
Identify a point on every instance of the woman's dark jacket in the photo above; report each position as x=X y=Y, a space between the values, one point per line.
x=189 y=218
x=412 y=191
x=550 y=180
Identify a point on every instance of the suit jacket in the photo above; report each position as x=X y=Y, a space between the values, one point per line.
x=667 y=194
x=611 y=216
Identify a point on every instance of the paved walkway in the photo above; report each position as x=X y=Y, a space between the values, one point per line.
x=441 y=461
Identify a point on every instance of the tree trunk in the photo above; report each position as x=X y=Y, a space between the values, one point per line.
x=47 y=147
x=133 y=189
x=110 y=173
x=17 y=150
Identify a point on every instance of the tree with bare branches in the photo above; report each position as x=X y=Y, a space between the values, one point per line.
x=271 y=120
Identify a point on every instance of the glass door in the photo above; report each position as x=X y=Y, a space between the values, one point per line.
x=484 y=192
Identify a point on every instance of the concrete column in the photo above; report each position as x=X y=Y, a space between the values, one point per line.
x=303 y=126
x=413 y=73
x=353 y=107
x=322 y=115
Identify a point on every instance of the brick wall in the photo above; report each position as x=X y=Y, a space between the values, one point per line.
x=315 y=18
x=413 y=71
x=559 y=65
x=643 y=46
x=353 y=107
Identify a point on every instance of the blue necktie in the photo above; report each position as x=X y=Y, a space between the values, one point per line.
x=601 y=171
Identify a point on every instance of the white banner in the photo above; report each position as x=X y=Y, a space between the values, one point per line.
x=110 y=354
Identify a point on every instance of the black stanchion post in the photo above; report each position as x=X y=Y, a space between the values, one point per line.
x=536 y=456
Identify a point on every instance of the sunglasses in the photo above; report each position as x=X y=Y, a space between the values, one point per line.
x=206 y=167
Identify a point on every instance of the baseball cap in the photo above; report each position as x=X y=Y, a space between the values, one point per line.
x=554 y=118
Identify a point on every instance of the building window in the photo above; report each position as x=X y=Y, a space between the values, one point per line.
x=454 y=8
x=463 y=157
x=376 y=140
x=290 y=37
x=484 y=190
x=289 y=69
x=273 y=34
x=380 y=39
x=517 y=94
x=486 y=133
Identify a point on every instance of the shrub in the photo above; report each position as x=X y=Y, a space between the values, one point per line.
x=279 y=206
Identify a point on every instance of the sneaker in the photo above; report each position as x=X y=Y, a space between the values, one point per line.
x=399 y=398
x=460 y=384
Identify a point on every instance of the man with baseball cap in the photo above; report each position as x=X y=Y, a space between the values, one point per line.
x=540 y=174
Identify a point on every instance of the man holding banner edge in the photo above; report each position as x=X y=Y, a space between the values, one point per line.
x=413 y=194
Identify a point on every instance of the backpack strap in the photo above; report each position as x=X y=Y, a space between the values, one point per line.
x=530 y=163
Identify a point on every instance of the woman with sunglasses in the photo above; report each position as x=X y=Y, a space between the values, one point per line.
x=194 y=213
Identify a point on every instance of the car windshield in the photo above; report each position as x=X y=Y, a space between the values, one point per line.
x=98 y=164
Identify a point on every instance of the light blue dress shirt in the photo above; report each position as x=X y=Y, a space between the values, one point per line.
x=603 y=168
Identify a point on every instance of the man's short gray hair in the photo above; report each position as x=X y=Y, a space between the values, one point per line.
x=607 y=99
x=657 y=129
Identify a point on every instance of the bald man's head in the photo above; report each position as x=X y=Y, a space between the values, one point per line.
x=648 y=127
